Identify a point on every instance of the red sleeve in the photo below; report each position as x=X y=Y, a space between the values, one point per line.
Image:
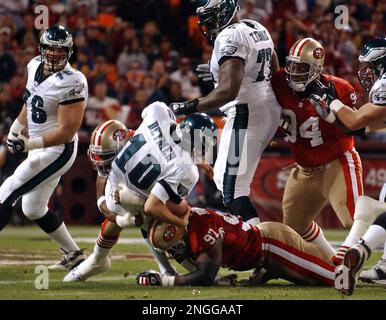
x=345 y=92
x=203 y=232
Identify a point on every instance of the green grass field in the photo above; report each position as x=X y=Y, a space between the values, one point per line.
x=23 y=248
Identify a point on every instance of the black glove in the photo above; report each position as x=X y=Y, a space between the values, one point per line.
x=204 y=72
x=16 y=145
x=149 y=278
x=328 y=94
x=184 y=108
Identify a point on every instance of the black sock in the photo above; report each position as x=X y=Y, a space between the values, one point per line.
x=5 y=215
x=49 y=222
x=243 y=207
x=381 y=220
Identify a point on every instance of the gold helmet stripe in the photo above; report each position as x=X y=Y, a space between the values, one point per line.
x=99 y=132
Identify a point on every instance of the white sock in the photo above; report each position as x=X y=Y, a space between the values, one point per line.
x=160 y=257
x=375 y=236
x=314 y=234
x=100 y=252
x=357 y=230
x=62 y=237
x=253 y=221
x=104 y=244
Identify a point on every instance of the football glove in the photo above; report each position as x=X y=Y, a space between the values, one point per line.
x=184 y=108
x=204 y=72
x=154 y=278
x=284 y=124
x=322 y=108
x=17 y=145
x=328 y=94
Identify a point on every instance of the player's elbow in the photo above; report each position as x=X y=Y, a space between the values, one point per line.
x=149 y=208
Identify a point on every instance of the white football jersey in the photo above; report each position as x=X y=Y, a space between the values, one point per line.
x=377 y=93
x=42 y=99
x=151 y=162
x=251 y=42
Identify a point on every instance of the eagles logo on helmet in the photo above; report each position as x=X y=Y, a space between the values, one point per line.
x=56 y=47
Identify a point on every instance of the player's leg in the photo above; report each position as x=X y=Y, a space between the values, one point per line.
x=288 y=256
x=343 y=185
x=40 y=166
x=358 y=254
x=378 y=271
x=302 y=203
x=98 y=261
x=244 y=137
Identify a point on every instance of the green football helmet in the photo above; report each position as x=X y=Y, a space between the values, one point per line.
x=53 y=38
x=372 y=62
x=197 y=132
x=215 y=15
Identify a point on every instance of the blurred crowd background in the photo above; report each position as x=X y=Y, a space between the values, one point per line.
x=134 y=52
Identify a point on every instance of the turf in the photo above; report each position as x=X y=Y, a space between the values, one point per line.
x=22 y=249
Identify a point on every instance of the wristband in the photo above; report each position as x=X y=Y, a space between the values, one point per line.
x=16 y=127
x=100 y=200
x=330 y=118
x=168 y=281
x=123 y=221
x=35 y=143
x=336 y=105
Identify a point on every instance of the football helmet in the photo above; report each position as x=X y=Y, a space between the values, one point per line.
x=53 y=38
x=197 y=132
x=106 y=141
x=165 y=236
x=215 y=15
x=304 y=63
x=372 y=62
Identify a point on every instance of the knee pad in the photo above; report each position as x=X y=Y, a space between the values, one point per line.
x=367 y=209
x=34 y=210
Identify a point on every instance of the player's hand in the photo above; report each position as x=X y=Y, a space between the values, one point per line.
x=17 y=145
x=229 y=280
x=184 y=108
x=328 y=93
x=285 y=124
x=203 y=71
x=185 y=217
x=208 y=170
x=322 y=108
x=149 y=278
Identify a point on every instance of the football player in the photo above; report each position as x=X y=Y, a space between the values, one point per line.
x=328 y=168
x=154 y=167
x=241 y=64
x=213 y=239
x=372 y=115
x=54 y=101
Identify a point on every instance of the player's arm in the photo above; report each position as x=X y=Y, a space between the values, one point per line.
x=102 y=204
x=70 y=118
x=231 y=74
x=275 y=66
x=19 y=124
x=368 y=115
x=157 y=209
x=208 y=264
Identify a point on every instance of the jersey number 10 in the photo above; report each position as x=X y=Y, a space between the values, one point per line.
x=146 y=171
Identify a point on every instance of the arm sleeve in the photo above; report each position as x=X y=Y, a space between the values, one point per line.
x=229 y=45
x=77 y=92
x=176 y=185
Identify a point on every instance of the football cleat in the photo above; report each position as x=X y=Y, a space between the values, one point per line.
x=69 y=260
x=90 y=267
x=376 y=273
x=353 y=260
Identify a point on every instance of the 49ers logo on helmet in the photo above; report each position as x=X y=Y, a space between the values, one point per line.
x=318 y=53
x=169 y=233
x=119 y=135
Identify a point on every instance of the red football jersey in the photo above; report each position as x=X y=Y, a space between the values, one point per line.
x=313 y=141
x=241 y=241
